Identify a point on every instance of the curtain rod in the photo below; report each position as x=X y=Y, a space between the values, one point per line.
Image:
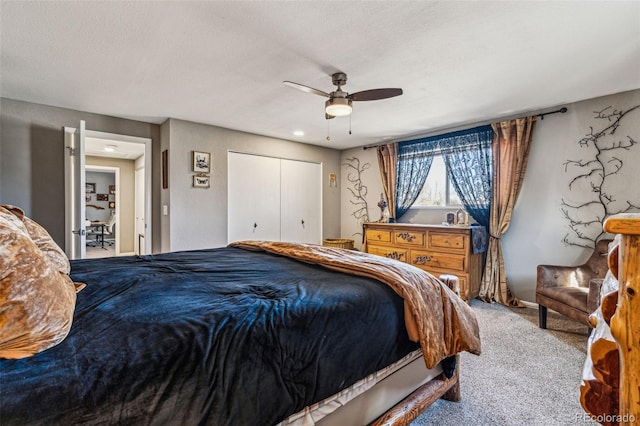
x=541 y=115
x=561 y=111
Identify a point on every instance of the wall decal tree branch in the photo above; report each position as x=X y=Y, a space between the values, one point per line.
x=358 y=190
x=595 y=177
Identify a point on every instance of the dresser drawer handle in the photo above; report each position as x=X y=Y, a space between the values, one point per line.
x=406 y=236
x=394 y=255
x=422 y=259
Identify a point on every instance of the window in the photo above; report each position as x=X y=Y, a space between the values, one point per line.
x=437 y=190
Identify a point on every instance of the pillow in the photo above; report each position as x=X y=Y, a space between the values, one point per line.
x=43 y=240
x=37 y=300
x=45 y=243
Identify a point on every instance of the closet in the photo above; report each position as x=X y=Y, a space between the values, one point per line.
x=274 y=199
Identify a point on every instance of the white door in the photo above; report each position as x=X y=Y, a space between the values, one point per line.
x=253 y=198
x=140 y=224
x=75 y=228
x=301 y=201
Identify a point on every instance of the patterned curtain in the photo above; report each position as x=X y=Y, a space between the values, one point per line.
x=510 y=155
x=467 y=155
x=414 y=162
x=388 y=162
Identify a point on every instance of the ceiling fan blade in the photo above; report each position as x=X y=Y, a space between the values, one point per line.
x=374 y=94
x=328 y=117
x=306 y=88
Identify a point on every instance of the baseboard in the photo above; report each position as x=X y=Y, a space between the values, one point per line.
x=535 y=306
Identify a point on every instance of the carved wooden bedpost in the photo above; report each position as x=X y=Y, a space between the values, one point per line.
x=625 y=323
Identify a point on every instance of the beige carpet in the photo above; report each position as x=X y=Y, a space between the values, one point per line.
x=559 y=326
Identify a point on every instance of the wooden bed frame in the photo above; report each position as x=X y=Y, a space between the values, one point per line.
x=625 y=323
x=398 y=399
x=419 y=400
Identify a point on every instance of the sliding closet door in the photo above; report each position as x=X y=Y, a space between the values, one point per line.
x=253 y=198
x=301 y=201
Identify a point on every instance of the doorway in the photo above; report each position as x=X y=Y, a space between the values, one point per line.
x=129 y=158
x=102 y=212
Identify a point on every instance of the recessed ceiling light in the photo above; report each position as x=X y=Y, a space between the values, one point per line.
x=110 y=148
x=298 y=133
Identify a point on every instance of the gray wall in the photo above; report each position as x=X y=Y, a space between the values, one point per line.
x=32 y=171
x=165 y=194
x=198 y=217
x=32 y=162
x=537 y=225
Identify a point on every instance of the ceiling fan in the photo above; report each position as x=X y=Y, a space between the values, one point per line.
x=339 y=102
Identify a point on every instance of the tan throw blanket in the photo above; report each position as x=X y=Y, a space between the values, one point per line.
x=434 y=315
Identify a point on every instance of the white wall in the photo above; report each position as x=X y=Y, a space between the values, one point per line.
x=102 y=180
x=537 y=225
x=197 y=216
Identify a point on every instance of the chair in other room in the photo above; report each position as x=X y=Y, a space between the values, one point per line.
x=573 y=291
x=110 y=230
x=93 y=235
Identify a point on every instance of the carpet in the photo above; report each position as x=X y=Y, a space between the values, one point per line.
x=524 y=376
x=569 y=331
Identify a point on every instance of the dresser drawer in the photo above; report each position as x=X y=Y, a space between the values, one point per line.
x=432 y=248
x=379 y=235
x=429 y=260
x=447 y=241
x=410 y=238
x=389 y=252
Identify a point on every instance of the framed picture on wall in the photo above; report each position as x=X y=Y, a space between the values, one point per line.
x=112 y=189
x=102 y=197
x=201 y=161
x=112 y=204
x=462 y=218
x=165 y=169
x=201 y=181
x=451 y=218
x=90 y=188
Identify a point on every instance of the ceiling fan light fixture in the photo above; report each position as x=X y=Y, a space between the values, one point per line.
x=338 y=107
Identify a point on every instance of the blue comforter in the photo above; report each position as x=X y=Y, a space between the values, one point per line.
x=221 y=336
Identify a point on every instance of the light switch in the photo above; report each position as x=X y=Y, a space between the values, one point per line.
x=165 y=210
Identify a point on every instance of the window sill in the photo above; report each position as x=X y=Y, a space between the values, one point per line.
x=449 y=208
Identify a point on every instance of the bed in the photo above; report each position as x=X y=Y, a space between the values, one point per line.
x=610 y=390
x=254 y=333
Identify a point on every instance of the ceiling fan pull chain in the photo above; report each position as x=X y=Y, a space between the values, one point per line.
x=328 y=130
x=349 y=123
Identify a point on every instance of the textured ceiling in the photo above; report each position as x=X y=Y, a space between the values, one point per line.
x=223 y=63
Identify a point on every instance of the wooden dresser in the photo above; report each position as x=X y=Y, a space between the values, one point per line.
x=437 y=249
